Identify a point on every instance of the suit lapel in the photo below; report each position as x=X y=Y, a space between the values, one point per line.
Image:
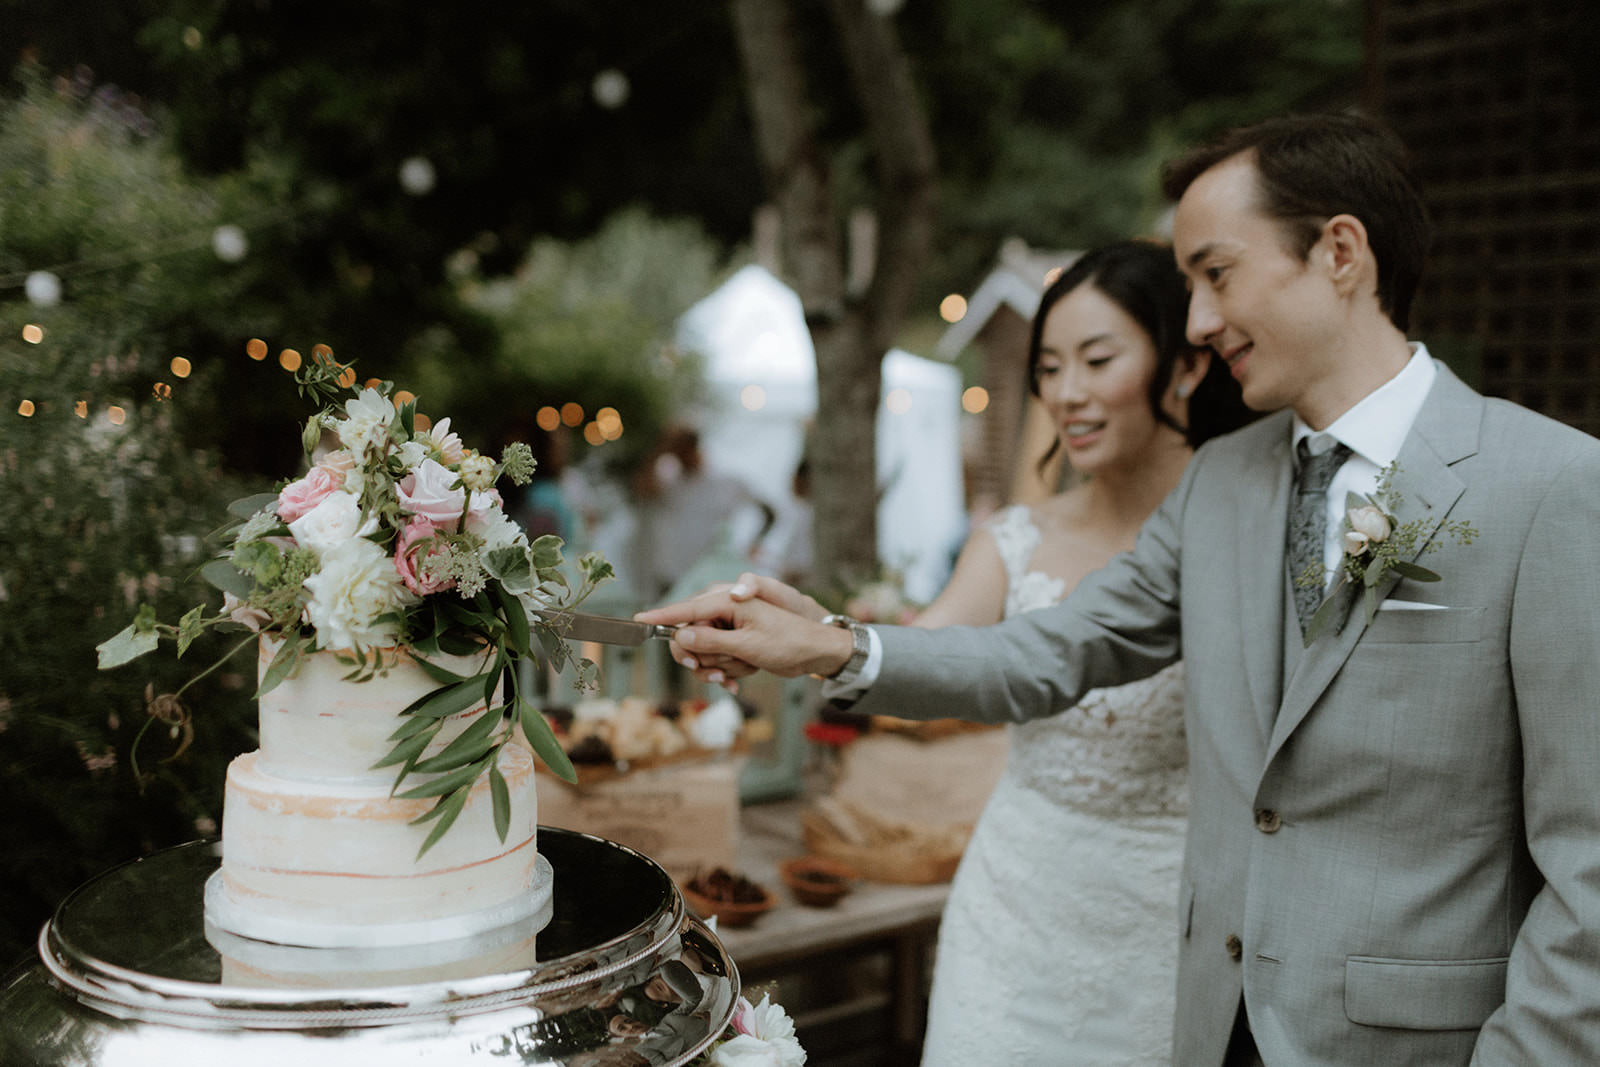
x=1262 y=514
x=1446 y=431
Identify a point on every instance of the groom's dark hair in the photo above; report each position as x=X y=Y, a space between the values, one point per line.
x=1313 y=167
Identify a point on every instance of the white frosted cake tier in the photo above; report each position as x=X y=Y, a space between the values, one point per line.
x=317 y=853
x=316 y=726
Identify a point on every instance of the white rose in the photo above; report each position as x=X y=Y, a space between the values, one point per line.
x=1369 y=521
x=1355 y=543
x=335 y=520
x=496 y=528
x=354 y=587
x=367 y=424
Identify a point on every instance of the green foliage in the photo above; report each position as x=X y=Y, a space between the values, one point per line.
x=588 y=321
x=101 y=514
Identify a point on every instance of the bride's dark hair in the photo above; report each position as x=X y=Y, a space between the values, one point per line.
x=1141 y=278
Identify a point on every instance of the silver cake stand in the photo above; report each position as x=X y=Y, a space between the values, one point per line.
x=620 y=974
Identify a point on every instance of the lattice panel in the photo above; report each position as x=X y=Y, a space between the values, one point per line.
x=1500 y=103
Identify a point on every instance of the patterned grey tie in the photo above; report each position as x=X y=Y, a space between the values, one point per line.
x=1308 y=519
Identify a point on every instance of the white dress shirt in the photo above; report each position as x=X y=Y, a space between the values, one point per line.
x=1373 y=430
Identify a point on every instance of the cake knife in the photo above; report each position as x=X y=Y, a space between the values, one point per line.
x=580 y=626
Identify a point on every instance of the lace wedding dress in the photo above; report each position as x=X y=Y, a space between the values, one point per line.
x=1059 y=943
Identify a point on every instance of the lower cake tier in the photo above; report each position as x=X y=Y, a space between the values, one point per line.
x=336 y=863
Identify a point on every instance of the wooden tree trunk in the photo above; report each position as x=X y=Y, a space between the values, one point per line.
x=850 y=333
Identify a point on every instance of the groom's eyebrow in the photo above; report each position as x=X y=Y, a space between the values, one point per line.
x=1200 y=254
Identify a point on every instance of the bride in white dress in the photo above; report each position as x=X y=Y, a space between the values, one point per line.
x=1059 y=941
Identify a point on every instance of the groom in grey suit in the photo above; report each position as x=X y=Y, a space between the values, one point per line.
x=1394 y=843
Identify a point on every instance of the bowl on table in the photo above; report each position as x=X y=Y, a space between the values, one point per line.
x=817 y=881
x=732 y=898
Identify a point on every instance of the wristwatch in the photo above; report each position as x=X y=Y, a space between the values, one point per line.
x=860 y=645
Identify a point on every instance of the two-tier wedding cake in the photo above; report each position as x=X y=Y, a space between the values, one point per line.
x=316 y=851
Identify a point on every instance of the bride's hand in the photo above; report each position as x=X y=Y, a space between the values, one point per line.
x=751 y=586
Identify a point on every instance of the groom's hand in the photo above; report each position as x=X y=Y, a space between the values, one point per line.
x=719 y=634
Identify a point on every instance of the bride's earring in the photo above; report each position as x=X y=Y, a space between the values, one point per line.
x=1183 y=390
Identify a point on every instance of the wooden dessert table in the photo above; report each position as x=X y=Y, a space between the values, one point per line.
x=890 y=926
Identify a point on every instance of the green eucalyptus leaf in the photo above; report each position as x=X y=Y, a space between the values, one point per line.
x=445 y=782
x=449 y=808
x=247 y=506
x=467 y=746
x=283 y=664
x=1414 y=572
x=1371 y=599
x=516 y=618
x=1374 y=571
x=128 y=644
x=433 y=670
x=407 y=750
x=411 y=725
x=544 y=743
x=502 y=802
x=228 y=578
x=448 y=699
x=1326 y=613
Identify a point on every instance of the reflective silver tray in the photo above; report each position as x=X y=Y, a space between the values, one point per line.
x=621 y=974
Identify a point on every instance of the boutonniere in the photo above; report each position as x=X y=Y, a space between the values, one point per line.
x=1376 y=545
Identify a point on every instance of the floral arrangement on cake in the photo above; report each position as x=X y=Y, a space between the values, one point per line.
x=396 y=539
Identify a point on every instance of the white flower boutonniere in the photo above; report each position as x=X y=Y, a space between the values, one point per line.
x=1376 y=545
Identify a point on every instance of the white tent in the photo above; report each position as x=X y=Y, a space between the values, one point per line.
x=762 y=375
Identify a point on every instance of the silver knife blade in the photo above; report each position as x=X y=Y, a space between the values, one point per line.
x=579 y=626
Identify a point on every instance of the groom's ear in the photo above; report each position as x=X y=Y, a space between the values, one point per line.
x=1345 y=255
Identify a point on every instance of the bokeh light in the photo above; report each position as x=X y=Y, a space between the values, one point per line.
x=347 y=377
x=611 y=88
x=898 y=401
x=116 y=415
x=592 y=434
x=289 y=359
x=610 y=423
x=417 y=176
x=161 y=391
x=180 y=367
x=33 y=333
x=548 y=418
x=572 y=413
x=43 y=289
x=229 y=243
x=404 y=397
x=753 y=398
x=25 y=409
x=974 y=399
x=193 y=38
x=81 y=409
x=953 y=308
x=422 y=423
x=256 y=349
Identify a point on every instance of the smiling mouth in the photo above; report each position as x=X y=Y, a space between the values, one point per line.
x=1233 y=356
x=1073 y=431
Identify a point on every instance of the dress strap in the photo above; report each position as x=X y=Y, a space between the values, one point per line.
x=1017 y=538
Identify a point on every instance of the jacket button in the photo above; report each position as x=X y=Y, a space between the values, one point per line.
x=1234 y=946
x=1268 y=821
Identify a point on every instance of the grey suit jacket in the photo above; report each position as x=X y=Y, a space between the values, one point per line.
x=1393 y=853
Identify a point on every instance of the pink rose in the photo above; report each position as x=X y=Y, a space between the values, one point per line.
x=300 y=497
x=426 y=494
x=414 y=545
